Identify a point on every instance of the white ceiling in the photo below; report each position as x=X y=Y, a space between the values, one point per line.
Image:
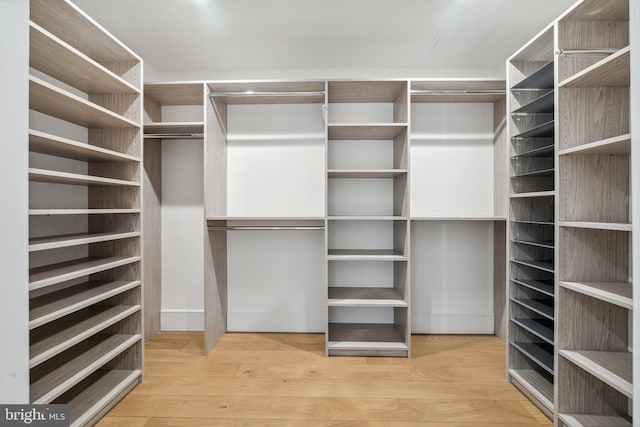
x=178 y=35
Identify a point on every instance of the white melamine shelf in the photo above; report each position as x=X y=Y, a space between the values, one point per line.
x=366 y=131
x=617 y=293
x=41 y=277
x=365 y=297
x=459 y=218
x=57 y=343
x=365 y=255
x=55 y=177
x=366 y=218
x=615 y=145
x=53 y=101
x=365 y=336
x=46 y=212
x=612 y=368
x=533 y=194
x=596 y=225
x=44 y=143
x=366 y=173
x=535 y=384
x=88 y=404
x=62 y=303
x=63 y=241
x=174 y=128
x=593 y=420
x=54 y=57
x=62 y=379
x=612 y=71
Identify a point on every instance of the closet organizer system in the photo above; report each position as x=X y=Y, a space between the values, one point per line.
x=570 y=227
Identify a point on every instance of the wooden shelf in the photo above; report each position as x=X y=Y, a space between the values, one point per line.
x=612 y=71
x=366 y=218
x=54 y=57
x=596 y=225
x=598 y=10
x=593 y=420
x=365 y=337
x=612 y=368
x=615 y=146
x=366 y=173
x=457 y=91
x=542 y=286
x=617 y=293
x=274 y=92
x=54 y=242
x=175 y=93
x=535 y=384
x=366 y=131
x=535 y=222
x=53 y=306
x=459 y=218
x=538 y=173
x=44 y=143
x=92 y=401
x=41 y=277
x=62 y=379
x=174 y=128
x=46 y=212
x=533 y=194
x=539 y=244
x=365 y=297
x=53 y=101
x=55 y=177
x=539 y=353
x=365 y=255
x=544 y=130
x=542 y=78
x=537 y=306
x=545 y=265
x=542 y=328
x=537 y=152
x=365 y=91
x=57 y=343
x=542 y=104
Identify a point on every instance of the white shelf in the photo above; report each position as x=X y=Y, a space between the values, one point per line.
x=44 y=143
x=53 y=101
x=63 y=241
x=365 y=297
x=62 y=379
x=67 y=338
x=365 y=337
x=70 y=300
x=54 y=57
x=365 y=255
x=100 y=394
x=366 y=173
x=593 y=420
x=55 y=177
x=612 y=368
x=615 y=145
x=533 y=194
x=46 y=212
x=366 y=131
x=612 y=71
x=596 y=225
x=617 y=293
x=52 y=274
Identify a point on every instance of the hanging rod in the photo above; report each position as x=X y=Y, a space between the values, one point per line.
x=264 y=228
x=457 y=92
x=586 y=52
x=174 y=135
x=269 y=93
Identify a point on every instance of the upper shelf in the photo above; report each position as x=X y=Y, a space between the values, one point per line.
x=48 y=99
x=55 y=177
x=615 y=145
x=274 y=92
x=366 y=173
x=612 y=71
x=540 y=79
x=53 y=145
x=366 y=91
x=598 y=10
x=542 y=104
x=174 y=128
x=58 y=59
x=457 y=90
x=544 y=130
x=366 y=131
x=175 y=93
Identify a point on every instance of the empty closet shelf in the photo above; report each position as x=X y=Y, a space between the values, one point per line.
x=533 y=222
x=542 y=104
x=53 y=242
x=538 y=243
x=53 y=145
x=594 y=420
x=365 y=336
x=366 y=173
x=547 y=193
x=617 y=293
x=610 y=367
x=542 y=286
x=46 y=212
x=365 y=254
x=533 y=381
x=66 y=338
x=174 y=128
x=543 y=307
x=55 y=177
x=542 y=328
x=535 y=173
x=544 y=130
x=544 y=265
x=539 y=353
x=542 y=78
x=597 y=225
x=615 y=146
x=62 y=379
x=545 y=151
x=365 y=297
x=614 y=70
x=366 y=131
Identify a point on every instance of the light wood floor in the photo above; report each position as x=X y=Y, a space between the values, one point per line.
x=285 y=380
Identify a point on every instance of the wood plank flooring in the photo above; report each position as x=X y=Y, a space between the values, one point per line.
x=285 y=380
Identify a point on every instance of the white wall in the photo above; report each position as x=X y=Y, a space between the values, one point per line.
x=14 y=50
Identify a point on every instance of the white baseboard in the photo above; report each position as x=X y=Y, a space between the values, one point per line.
x=443 y=323
x=182 y=320
x=308 y=321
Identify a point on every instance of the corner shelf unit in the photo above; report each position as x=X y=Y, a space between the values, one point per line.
x=530 y=109
x=595 y=297
x=85 y=276
x=368 y=219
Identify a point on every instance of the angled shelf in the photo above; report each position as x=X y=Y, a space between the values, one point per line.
x=533 y=194
x=617 y=293
x=542 y=286
x=63 y=241
x=542 y=172
x=365 y=297
x=535 y=384
x=544 y=130
x=542 y=328
x=365 y=255
x=612 y=368
x=539 y=306
x=536 y=152
x=55 y=177
x=593 y=420
x=612 y=71
x=540 y=264
x=542 y=104
x=615 y=146
x=542 y=78
x=365 y=131
x=53 y=145
x=540 y=244
x=540 y=353
x=366 y=173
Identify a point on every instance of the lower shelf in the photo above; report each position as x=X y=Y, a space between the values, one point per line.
x=540 y=353
x=592 y=420
x=534 y=384
x=365 y=297
x=612 y=368
x=366 y=339
x=365 y=255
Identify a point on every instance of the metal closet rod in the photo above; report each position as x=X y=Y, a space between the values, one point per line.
x=264 y=227
x=214 y=94
x=174 y=135
x=586 y=52
x=457 y=92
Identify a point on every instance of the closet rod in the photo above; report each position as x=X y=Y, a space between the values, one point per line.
x=174 y=136
x=270 y=93
x=265 y=228
x=586 y=52
x=457 y=92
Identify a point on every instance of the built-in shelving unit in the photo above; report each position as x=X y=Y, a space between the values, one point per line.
x=595 y=297
x=85 y=277
x=368 y=218
x=531 y=106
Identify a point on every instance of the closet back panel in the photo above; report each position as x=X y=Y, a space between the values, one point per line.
x=275 y=161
